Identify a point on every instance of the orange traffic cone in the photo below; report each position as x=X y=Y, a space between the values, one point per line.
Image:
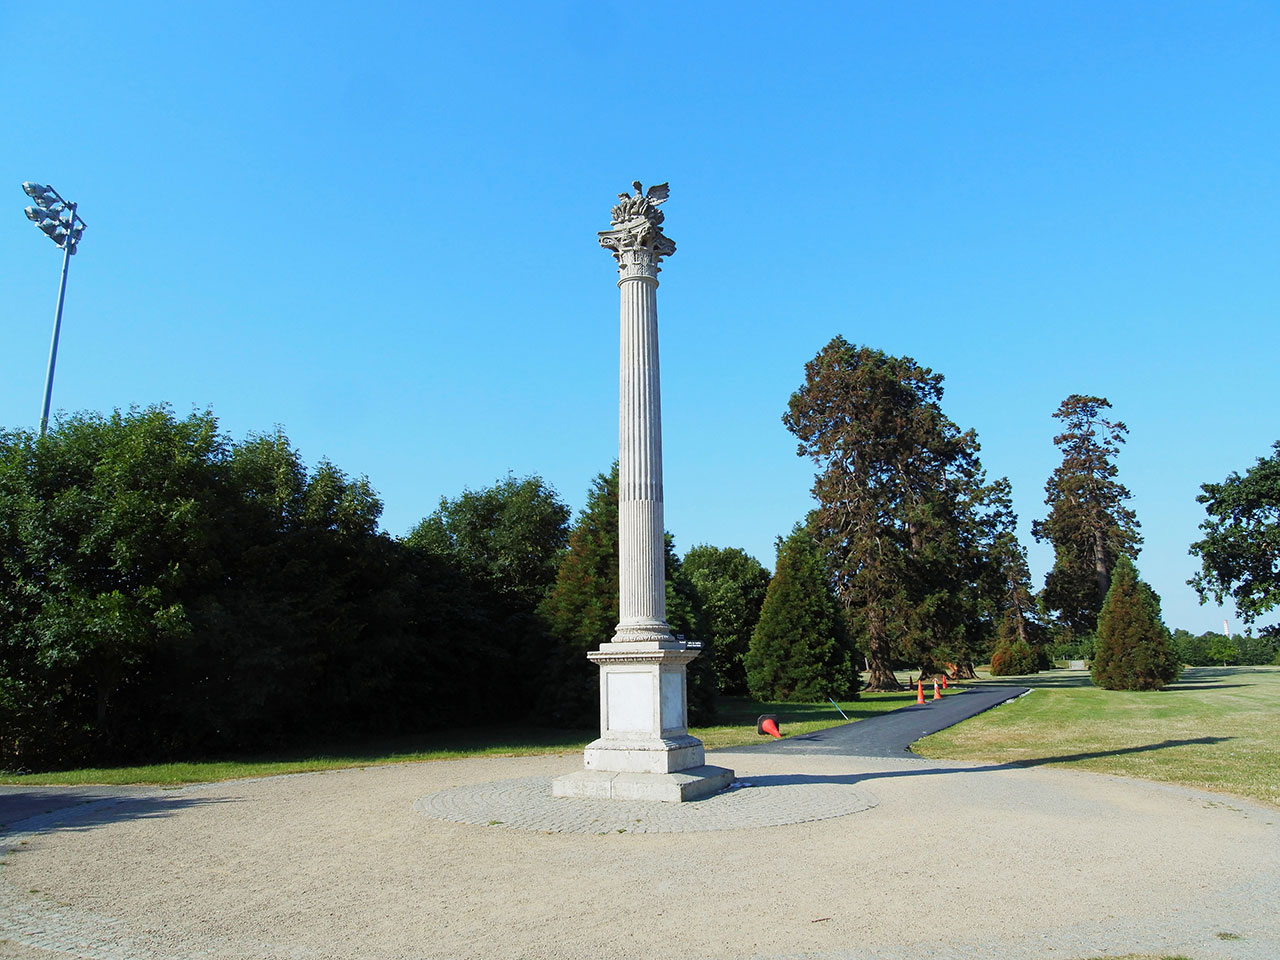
x=937 y=694
x=944 y=681
x=919 y=691
x=769 y=725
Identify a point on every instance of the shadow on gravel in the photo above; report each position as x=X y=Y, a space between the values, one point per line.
x=32 y=812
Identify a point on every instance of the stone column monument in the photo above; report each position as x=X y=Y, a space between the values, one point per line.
x=644 y=751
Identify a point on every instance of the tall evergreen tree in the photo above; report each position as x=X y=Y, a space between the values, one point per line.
x=1020 y=637
x=581 y=611
x=800 y=649
x=1088 y=524
x=897 y=486
x=1135 y=650
x=731 y=587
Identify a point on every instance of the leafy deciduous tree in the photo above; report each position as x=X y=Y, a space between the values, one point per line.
x=1240 y=552
x=730 y=586
x=511 y=535
x=92 y=584
x=166 y=592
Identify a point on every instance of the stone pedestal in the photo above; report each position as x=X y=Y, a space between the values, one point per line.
x=644 y=751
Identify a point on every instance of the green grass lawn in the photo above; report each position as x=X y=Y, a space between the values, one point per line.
x=1217 y=728
x=509 y=741
x=736 y=725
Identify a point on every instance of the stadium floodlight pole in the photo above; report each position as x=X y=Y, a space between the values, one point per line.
x=57 y=220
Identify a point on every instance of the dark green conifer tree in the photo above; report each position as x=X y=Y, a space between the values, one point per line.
x=800 y=649
x=581 y=612
x=581 y=609
x=1135 y=651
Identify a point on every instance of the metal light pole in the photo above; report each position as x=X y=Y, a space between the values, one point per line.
x=58 y=220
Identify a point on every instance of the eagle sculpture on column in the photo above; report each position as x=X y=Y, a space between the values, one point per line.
x=642 y=204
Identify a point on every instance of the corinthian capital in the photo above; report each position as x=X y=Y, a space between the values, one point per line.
x=636 y=240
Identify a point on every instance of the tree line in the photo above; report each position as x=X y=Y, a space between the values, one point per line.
x=921 y=555
x=166 y=591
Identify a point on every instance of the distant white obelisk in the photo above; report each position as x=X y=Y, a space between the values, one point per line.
x=644 y=751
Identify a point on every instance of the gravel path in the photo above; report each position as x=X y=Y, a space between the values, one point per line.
x=940 y=860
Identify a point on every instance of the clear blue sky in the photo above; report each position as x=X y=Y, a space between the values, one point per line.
x=375 y=225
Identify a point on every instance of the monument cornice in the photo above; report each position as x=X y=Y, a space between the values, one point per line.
x=666 y=656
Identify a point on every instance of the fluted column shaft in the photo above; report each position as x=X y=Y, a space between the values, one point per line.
x=642 y=598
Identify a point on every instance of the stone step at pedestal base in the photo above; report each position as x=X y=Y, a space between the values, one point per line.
x=692 y=784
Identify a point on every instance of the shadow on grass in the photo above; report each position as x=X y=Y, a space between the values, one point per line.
x=788 y=779
x=1193 y=678
x=1053 y=680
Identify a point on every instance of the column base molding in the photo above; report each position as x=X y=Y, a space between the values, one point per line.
x=621 y=754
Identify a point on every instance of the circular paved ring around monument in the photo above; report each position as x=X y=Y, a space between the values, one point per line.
x=763 y=801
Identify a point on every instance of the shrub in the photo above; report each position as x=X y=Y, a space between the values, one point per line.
x=1014 y=659
x=1134 y=647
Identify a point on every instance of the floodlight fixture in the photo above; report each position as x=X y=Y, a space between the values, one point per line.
x=57 y=220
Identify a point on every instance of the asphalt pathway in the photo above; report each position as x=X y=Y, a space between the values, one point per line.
x=891 y=734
